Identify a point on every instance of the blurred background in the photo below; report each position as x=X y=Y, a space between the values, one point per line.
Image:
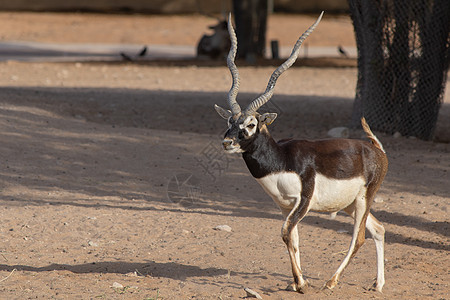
x=180 y=23
x=167 y=6
x=403 y=44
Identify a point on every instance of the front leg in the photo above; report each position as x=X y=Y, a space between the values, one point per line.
x=289 y=234
x=302 y=284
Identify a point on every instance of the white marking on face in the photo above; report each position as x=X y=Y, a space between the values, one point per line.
x=249 y=126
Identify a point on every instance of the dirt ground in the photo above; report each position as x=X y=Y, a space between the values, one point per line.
x=112 y=179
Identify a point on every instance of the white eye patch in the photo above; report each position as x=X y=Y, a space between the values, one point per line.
x=249 y=126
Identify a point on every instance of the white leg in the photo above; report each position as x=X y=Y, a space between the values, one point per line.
x=294 y=238
x=376 y=229
x=303 y=283
x=295 y=243
x=358 y=212
x=294 y=254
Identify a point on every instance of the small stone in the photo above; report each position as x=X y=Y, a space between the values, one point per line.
x=252 y=294
x=397 y=135
x=378 y=200
x=339 y=132
x=342 y=231
x=117 y=285
x=92 y=244
x=223 y=228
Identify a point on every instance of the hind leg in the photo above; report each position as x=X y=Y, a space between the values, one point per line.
x=359 y=210
x=376 y=229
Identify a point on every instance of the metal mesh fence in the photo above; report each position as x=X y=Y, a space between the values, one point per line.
x=403 y=57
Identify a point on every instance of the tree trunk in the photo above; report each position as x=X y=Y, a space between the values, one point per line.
x=251 y=23
x=403 y=58
x=432 y=68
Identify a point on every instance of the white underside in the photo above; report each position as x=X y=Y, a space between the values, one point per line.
x=330 y=195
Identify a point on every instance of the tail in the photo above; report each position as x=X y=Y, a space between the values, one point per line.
x=370 y=135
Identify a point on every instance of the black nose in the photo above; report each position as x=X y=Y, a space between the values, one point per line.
x=227 y=143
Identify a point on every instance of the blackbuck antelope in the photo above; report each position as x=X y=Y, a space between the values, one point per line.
x=300 y=175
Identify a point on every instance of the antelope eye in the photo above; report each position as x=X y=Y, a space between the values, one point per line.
x=251 y=126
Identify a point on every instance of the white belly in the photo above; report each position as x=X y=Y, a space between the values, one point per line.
x=332 y=195
x=329 y=195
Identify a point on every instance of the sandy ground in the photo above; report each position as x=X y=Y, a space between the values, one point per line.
x=165 y=30
x=112 y=181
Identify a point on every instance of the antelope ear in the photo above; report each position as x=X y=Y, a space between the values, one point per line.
x=267 y=118
x=224 y=113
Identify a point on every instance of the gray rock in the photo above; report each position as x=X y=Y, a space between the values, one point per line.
x=117 y=285
x=223 y=228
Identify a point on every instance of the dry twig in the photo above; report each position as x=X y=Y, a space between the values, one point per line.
x=8 y=275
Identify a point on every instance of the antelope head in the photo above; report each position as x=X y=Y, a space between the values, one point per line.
x=245 y=125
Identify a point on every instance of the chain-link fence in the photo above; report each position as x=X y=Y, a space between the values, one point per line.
x=403 y=57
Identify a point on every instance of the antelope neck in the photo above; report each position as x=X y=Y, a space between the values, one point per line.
x=264 y=156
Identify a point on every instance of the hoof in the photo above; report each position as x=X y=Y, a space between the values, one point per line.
x=376 y=288
x=330 y=284
x=293 y=287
